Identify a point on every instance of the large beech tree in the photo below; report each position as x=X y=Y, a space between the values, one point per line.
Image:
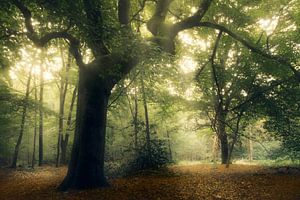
x=97 y=24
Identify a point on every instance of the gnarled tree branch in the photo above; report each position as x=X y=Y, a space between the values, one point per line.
x=214 y=71
x=154 y=25
x=94 y=21
x=41 y=42
x=193 y=20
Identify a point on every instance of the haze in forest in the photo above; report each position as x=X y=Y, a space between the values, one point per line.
x=99 y=91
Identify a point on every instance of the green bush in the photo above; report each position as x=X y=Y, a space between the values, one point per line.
x=157 y=156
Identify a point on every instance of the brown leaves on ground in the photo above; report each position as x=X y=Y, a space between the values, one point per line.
x=184 y=182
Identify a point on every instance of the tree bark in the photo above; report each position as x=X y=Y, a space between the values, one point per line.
x=223 y=140
x=231 y=150
x=215 y=148
x=86 y=167
x=224 y=148
x=24 y=112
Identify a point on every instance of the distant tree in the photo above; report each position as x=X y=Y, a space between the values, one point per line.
x=283 y=117
x=232 y=86
x=22 y=128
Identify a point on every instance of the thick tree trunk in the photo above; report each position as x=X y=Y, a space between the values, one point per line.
x=222 y=135
x=64 y=145
x=223 y=140
x=86 y=167
x=224 y=148
x=24 y=112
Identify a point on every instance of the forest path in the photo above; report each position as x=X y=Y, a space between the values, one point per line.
x=181 y=182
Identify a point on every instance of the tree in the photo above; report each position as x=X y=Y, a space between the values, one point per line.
x=231 y=89
x=69 y=128
x=84 y=22
x=64 y=81
x=24 y=112
x=41 y=115
x=35 y=124
x=282 y=111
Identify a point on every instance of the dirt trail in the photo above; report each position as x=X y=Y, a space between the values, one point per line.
x=184 y=182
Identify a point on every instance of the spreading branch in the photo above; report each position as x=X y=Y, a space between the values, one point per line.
x=154 y=25
x=136 y=14
x=124 y=11
x=250 y=46
x=124 y=89
x=214 y=71
x=41 y=42
x=259 y=94
x=94 y=21
x=193 y=20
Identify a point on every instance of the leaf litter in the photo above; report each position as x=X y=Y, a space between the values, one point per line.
x=212 y=182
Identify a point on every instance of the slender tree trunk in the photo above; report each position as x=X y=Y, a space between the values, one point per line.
x=135 y=120
x=250 y=146
x=62 y=98
x=60 y=121
x=134 y=114
x=231 y=150
x=23 y=119
x=169 y=145
x=28 y=150
x=65 y=140
x=41 y=116
x=86 y=167
x=35 y=125
x=215 y=148
x=235 y=137
x=148 y=139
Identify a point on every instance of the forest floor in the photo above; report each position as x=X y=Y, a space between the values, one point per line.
x=180 y=182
